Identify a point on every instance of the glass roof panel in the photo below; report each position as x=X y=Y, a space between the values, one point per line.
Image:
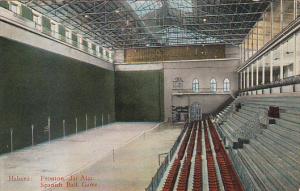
x=184 y=5
x=143 y=7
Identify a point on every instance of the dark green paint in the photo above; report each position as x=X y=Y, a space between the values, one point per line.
x=139 y=96
x=35 y=84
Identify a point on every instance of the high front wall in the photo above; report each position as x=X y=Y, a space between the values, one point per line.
x=139 y=95
x=138 y=85
x=36 y=84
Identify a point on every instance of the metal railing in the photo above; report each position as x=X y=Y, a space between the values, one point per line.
x=201 y=91
x=241 y=170
x=279 y=83
x=47 y=129
x=156 y=179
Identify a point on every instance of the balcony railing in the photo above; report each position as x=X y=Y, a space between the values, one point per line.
x=62 y=38
x=284 y=82
x=199 y=91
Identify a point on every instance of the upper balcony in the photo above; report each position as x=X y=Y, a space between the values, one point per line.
x=200 y=91
x=42 y=25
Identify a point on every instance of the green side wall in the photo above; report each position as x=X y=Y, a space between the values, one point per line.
x=139 y=96
x=35 y=84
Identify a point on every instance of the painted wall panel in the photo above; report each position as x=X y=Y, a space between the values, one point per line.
x=35 y=84
x=139 y=96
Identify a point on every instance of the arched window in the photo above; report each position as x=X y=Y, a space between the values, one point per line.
x=213 y=85
x=226 y=85
x=195 y=85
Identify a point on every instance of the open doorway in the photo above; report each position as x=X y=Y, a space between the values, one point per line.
x=195 y=111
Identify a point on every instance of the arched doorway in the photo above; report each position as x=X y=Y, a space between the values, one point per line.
x=195 y=112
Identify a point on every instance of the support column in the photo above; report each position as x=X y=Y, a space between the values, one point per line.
x=263 y=70
x=49 y=130
x=297 y=53
x=189 y=108
x=244 y=76
x=11 y=140
x=257 y=67
x=251 y=68
x=64 y=128
x=86 y=122
x=281 y=61
x=295 y=9
x=172 y=108
x=248 y=79
x=295 y=67
x=76 y=125
x=271 y=67
x=32 y=135
x=241 y=80
x=281 y=14
x=272 y=19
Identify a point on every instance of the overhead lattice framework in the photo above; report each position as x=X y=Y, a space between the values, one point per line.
x=140 y=23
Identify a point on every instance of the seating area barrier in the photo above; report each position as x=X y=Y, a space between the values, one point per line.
x=48 y=129
x=156 y=179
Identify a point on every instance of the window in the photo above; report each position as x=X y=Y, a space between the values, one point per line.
x=14 y=8
x=226 y=85
x=178 y=83
x=195 y=85
x=213 y=85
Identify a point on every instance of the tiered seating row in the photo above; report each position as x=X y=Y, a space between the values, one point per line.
x=270 y=160
x=172 y=176
x=184 y=175
x=212 y=175
x=184 y=144
x=173 y=173
x=185 y=171
x=198 y=184
x=230 y=179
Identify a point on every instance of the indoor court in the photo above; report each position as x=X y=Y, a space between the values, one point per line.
x=149 y=95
